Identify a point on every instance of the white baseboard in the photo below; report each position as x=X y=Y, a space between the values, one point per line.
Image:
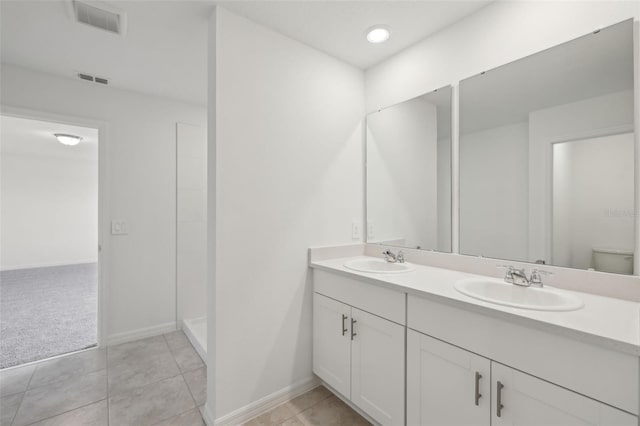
x=207 y=415
x=186 y=328
x=141 y=333
x=265 y=404
x=47 y=265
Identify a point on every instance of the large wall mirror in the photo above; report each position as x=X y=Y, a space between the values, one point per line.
x=547 y=156
x=409 y=173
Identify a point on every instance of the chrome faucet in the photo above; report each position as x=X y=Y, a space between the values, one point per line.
x=391 y=257
x=518 y=276
x=536 y=277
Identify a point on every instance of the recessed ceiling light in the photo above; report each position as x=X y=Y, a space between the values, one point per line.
x=378 y=34
x=66 y=139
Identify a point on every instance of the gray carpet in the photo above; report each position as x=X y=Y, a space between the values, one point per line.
x=47 y=311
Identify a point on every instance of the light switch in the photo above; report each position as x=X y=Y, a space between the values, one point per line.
x=370 y=233
x=119 y=227
x=355 y=230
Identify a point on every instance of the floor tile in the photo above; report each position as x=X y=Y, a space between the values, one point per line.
x=293 y=421
x=132 y=350
x=56 y=398
x=8 y=407
x=197 y=383
x=15 y=380
x=331 y=412
x=95 y=414
x=150 y=404
x=272 y=417
x=187 y=358
x=66 y=367
x=190 y=418
x=176 y=340
x=140 y=371
x=308 y=399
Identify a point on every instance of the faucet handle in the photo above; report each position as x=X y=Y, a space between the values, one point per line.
x=400 y=257
x=536 y=276
x=508 y=274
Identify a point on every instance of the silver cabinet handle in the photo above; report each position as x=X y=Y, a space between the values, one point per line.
x=344 y=330
x=353 y=333
x=499 y=405
x=478 y=395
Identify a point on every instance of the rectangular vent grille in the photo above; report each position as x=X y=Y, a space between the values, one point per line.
x=94 y=79
x=100 y=15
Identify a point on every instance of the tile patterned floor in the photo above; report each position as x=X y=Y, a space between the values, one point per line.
x=318 y=407
x=156 y=381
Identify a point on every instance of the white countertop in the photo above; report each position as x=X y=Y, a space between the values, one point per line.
x=603 y=321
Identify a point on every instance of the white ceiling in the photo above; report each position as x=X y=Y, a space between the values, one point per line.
x=339 y=27
x=164 y=51
x=22 y=136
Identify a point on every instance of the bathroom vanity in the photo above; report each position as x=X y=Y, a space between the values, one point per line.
x=408 y=348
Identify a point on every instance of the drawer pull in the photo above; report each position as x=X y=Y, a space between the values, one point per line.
x=353 y=329
x=499 y=405
x=344 y=330
x=478 y=395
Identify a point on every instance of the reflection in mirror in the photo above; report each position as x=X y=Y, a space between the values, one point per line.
x=409 y=173
x=547 y=156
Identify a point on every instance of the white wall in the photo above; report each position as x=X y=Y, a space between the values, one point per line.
x=48 y=209
x=191 y=251
x=593 y=198
x=289 y=175
x=141 y=158
x=497 y=34
x=494 y=209
x=402 y=162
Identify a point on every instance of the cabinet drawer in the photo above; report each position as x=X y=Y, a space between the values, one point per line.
x=594 y=371
x=380 y=301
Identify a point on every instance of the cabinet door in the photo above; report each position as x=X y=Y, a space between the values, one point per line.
x=377 y=367
x=527 y=400
x=332 y=343
x=446 y=385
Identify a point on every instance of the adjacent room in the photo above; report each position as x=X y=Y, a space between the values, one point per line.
x=49 y=239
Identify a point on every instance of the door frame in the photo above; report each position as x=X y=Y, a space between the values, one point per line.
x=103 y=198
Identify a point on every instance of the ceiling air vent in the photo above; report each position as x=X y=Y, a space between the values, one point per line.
x=92 y=78
x=100 y=15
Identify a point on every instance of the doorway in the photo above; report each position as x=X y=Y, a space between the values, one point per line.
x=49 y=256
x=593 y=202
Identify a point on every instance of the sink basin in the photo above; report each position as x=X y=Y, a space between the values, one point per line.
x=501 y=293
x=377 y=266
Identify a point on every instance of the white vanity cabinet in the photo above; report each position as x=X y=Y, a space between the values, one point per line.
x=355 y=351
x=447 y=385
x=377 y=367
x=332 y=343
x=550 y=380
x=467 y=364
